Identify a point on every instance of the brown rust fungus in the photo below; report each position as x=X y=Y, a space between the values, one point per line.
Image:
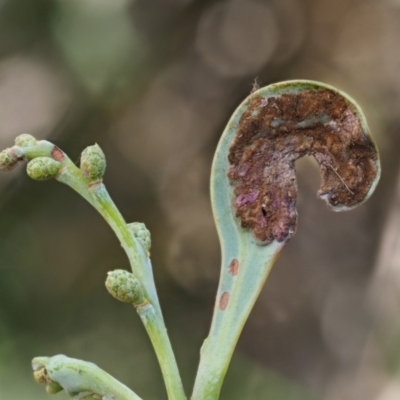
x=273 y=133
x=234 y=267
x=57 y=154
x=223 y=301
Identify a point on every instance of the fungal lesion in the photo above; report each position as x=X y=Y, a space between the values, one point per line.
x=273 y=133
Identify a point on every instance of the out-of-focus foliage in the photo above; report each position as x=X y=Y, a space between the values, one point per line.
x=99 y=42
x=154 y=82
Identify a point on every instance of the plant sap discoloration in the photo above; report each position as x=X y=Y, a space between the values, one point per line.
x=223 y=301
x=273 y=133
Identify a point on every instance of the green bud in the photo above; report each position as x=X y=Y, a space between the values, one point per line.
x=25 y=140
x=43 y=168
x=8 y=159
x=93 y=163
x=123 y=286
x=141 y=233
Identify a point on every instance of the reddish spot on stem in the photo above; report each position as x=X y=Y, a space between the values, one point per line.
x=223 y=301
x=57 y=154
x=234 y=267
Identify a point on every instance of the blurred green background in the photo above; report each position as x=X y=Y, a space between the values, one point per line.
x=154 y=83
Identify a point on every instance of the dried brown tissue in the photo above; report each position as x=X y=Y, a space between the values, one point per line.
x=272 y=134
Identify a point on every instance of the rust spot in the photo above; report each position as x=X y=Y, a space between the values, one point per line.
x=234 y=267
x=272 y=134
x=57 y=154
x=223 y=301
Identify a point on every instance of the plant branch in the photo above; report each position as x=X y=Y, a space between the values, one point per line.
x=87 y=181
x=80 y=379
x=139 y=260
x=159 y=338
x=150 y=313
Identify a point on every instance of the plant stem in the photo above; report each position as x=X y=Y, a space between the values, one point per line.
x=97 y=195
x=149 y=313
x=158 y=335
x=235 y=299
x=245 y=267
x=140 y=263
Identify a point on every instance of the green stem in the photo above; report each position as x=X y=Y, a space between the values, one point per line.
x=97 y=195
x=157 y=332
x=236 y=296
x=141 y=267
x=244 y=269
x=140 y=263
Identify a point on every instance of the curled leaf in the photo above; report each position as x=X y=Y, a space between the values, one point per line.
x=254 y=191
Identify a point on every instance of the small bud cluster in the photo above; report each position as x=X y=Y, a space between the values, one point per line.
x=25 y=140
x=123 y=286
x=142 y=234
x=93 y=163
x=42 y=168
x=8 y=159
